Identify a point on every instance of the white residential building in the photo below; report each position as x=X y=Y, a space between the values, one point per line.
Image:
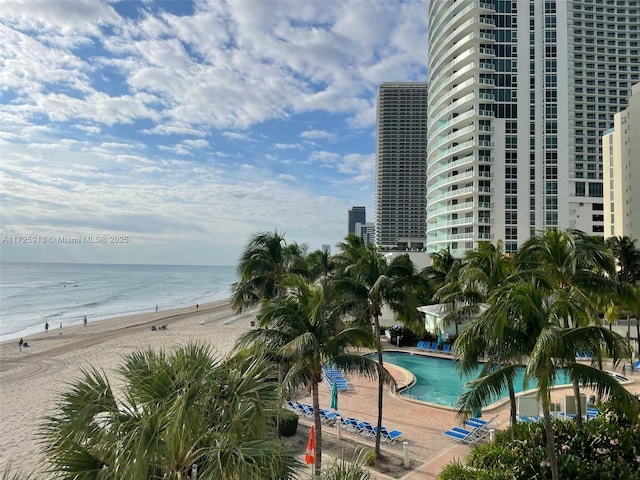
x=621 y=155
x=520 y=94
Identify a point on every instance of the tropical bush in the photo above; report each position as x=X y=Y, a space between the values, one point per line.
x=605 y=448
x=341 y=469
x=407 y=336
x=174 y=410
x=288 y=423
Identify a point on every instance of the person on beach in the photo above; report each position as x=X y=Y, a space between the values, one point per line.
x=197 y=306
x=60 y=333
x=85 y=321
x=20 y=344
x=156 y=308
x=46 y=327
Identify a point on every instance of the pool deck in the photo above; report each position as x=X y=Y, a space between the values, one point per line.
x=422 y=425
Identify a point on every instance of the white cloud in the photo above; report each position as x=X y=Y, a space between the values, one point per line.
x=317 y=135
x=287 y=146
x=173 y=126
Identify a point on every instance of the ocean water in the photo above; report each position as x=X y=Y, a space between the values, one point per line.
x=34 y=293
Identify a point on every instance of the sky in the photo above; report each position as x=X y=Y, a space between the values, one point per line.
x=170 y=132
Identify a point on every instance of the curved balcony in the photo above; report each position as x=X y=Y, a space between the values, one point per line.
x=450 y=194
x=440 y=168
x=462 y=89
x=453 y=137
x=450 y=180
x=455 y=122
x=460 y=105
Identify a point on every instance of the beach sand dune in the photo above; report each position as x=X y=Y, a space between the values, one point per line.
x=32 y=379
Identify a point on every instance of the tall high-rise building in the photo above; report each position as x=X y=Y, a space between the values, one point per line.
x=401 y=143
x=356 y=215
x=520 y=94
x=621 y=149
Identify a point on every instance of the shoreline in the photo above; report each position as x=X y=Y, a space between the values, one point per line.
x=32 y=378
x=75 y=321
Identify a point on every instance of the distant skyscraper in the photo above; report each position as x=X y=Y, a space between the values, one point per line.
x=357 y=215
x=520 y=94
x=401 y=178
x=621 y=151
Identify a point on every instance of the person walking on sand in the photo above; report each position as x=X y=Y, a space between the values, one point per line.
x=197 y=306
x=20 y=344
x=60 y=333
x=46 y=327
x=85 y=321
x=156 y=308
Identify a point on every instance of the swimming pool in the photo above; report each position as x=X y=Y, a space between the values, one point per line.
x=438 y=380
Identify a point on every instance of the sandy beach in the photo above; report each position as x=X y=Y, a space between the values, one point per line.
x=31 y=379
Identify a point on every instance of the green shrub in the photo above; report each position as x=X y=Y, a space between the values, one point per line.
x=288 y=423
x=605 y=448
x=368 y=457
x=407 y=336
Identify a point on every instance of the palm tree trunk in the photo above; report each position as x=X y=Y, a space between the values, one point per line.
x=551 y=442
x=318 y=424
x=576 y=393
x=513 y=410
x=638 y=332
x=378 y=452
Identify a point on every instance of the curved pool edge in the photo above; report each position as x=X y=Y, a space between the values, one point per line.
x=396 y=393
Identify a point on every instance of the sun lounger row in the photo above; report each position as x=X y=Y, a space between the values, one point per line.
x=301 y=408
x=331 y=417
x=334 y=375
x=476 y=430
x=366 y=429
x=433 y=347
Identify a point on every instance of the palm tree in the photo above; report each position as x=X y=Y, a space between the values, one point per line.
x=471 y=281
x=526 y=317
x=176 y=411
x=320 y=264
x=367 y=281
x=578 y=265
x=304 y=327
x=442 y=263
x=265 y=261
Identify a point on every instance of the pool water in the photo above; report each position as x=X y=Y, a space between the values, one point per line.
x=438 y=380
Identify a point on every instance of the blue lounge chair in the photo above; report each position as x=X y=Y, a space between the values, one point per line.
x=328 y=416
x=293 y=406
x=474 y=423
x=446 y=348
x=307 y=410
x=350 y=424
x=391 y=437
x=526 y=419
x=366 y=429
x=636 y=365
x=420 y=345
x=433 y=347
x=459 y=435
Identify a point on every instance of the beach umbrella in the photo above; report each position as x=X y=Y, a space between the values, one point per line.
x=334 y=396
x=310 y=455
